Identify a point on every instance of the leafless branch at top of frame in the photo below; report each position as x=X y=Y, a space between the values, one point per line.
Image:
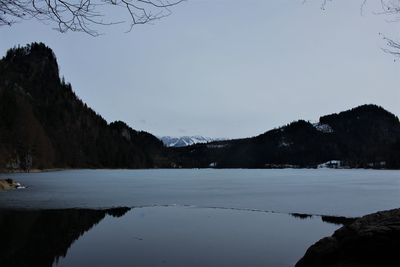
x=388 y=8
x=84 y=15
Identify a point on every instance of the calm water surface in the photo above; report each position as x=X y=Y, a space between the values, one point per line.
x=188 y=236
x=322 y=191
x=181 y=217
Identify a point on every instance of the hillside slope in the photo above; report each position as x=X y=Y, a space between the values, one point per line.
x=364 y=137
x=43 y=124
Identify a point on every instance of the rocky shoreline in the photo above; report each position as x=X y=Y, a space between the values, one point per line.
x=8 y=184
x=372 y=240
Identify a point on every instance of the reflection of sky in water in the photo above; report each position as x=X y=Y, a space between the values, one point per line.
x=220 y=218
x=324 y=191
x=191 y=236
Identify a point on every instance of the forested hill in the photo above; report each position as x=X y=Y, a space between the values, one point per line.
x=43 y=124
x=364 y=137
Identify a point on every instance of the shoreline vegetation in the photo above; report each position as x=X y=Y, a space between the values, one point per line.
x=5 y=171
x=11 y=171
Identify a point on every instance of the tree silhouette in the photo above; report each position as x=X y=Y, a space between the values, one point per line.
x=84 y=15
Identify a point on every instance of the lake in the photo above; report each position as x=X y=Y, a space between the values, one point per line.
x=206 y=217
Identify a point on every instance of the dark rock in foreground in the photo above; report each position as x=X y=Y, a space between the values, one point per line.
x=372 y=240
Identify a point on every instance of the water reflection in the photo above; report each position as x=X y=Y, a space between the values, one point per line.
x=301 y=216
x=156 y=236
x=337 y=220
x=41 y=237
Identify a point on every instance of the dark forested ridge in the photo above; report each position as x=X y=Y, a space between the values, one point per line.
x=43 y=124
x=364 y=137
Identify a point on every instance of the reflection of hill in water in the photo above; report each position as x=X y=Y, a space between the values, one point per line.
x=338 y=220
x=40 y=237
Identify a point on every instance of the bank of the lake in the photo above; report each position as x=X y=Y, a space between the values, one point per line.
x=8 y=184
x=372 y=241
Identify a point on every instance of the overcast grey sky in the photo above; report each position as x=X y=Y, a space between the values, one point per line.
x=225 y=68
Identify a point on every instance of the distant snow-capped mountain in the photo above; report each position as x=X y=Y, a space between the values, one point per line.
x=170 y=141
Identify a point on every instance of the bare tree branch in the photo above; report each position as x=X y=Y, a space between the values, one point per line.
x=388 y=8
x=84 y=15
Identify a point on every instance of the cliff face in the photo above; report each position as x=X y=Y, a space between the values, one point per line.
x=43 y=124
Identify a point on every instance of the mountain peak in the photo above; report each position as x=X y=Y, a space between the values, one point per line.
x=44 y=124
x=182 y=141
x=367 y=112
x=34 y=57
x=33 y=49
